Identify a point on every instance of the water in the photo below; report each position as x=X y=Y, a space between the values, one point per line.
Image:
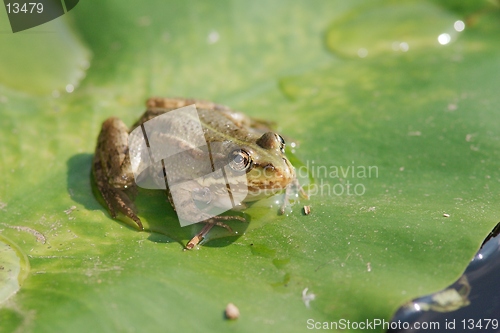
x=471 y=304
x=369 y=31
x=48 y=60
x=14 y=267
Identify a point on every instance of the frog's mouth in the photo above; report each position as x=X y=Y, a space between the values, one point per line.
x=260 y=192
x=269 y=181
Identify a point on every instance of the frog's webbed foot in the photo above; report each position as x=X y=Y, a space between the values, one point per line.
x=218 y=221
x=117 y=199
x=293 y=188
x=209 y=224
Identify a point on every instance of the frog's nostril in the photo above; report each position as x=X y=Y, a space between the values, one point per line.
x=269 y=167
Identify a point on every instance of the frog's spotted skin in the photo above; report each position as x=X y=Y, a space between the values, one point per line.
x=112 y=169
x=261 y=154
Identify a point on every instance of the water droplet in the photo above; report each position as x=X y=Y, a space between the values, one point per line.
x=361 y=33
x=404 y=47
x=166 y=37
x=459 y=25
x=362 y=52
x=213 y=37
x=444 y=39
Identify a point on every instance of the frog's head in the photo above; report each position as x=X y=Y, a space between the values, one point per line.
x=268 y=170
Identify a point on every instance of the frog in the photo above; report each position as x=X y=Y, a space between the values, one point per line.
x=259 y=154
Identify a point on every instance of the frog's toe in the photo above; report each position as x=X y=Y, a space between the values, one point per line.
x=117 y=200
x=109 y=199
x=215 y=221
x=230 y=218
x=223 y=225
x=199 y=236
x=136 y=219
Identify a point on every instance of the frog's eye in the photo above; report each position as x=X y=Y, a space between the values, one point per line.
x=272 y=140
x=240 y=160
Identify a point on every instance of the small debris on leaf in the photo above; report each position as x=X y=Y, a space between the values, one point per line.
x=307 y=210
x=232 y=312
x=307 y=297
x=70 y=210
x=39 y=236
x=446 y=215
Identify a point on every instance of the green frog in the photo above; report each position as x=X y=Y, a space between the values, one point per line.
x=245 y=145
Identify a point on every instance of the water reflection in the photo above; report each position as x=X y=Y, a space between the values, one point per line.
x=475 y=297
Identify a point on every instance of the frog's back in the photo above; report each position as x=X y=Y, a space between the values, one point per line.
x=219 y=122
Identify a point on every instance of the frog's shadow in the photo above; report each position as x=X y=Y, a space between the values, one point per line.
x=162 y=224
x=79 y=181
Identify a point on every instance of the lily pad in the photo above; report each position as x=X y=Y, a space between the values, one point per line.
x=46 y=60
x=394 y=140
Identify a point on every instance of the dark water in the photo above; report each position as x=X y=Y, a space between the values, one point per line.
x=471 y=304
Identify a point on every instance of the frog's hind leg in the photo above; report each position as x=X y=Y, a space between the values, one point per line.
x=112 y=170
x=118 y=200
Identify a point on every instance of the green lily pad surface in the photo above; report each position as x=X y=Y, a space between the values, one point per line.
x=390 y=108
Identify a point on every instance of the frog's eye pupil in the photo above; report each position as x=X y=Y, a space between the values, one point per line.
x=240 y=160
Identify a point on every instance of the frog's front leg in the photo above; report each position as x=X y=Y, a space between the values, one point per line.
x=291 y=190
x=209 y=224
x=112 y=169
x=185 y=204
